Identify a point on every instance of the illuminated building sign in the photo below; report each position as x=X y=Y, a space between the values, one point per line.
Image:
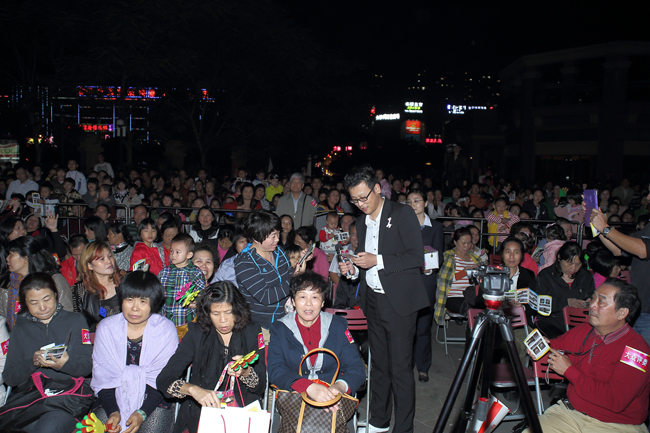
x=461 y=109
x=413 y=127
x=93 y=128
x=433 y=140
x=390 y=116
x=413 y=107
x=141 y=93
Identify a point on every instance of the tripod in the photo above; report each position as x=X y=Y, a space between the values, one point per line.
x=487 y=320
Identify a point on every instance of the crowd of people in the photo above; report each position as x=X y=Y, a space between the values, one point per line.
x=167 y=271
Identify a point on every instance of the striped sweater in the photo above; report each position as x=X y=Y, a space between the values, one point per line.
x=264 y=285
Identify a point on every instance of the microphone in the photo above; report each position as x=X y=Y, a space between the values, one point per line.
x=340 y=258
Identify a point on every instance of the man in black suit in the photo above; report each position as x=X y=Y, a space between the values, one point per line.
x=390 y=254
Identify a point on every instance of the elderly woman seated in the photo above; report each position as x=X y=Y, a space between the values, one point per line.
x=222 y=333
x=41 y=322
x=130 y=350
x=307 y=328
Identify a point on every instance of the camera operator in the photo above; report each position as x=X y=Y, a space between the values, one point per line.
x=606 y=364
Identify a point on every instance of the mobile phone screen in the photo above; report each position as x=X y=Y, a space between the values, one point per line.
x=591 y=203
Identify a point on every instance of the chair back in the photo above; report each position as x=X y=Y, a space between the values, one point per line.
x=356 y=319
x=541 y=367
x=495 y=260
x=575 y=316
x=517 y=316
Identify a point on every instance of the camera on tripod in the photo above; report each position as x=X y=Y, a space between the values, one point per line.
x=493 y=281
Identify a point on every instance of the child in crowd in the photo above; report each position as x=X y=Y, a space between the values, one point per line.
x=91 y=196
x=604 y=265
x=180 y=277
x=293 y=252
x=500 y=221
x=224 y=242
x=153 y=254
x=572 y=210
x=328 y=234
x=69 y=266
x=555 y=238
x=69 y=195
x=46 y=199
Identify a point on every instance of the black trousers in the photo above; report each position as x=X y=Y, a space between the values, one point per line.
x=422 y=348
x=392 y=380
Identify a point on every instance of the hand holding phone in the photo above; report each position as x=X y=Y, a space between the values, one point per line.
x=307 y=254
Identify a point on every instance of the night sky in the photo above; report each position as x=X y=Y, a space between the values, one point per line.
x=481 y=37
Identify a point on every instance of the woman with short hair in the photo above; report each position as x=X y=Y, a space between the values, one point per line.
x=569 y=283
x=263 y=270
x=121 y=244
x=222 y=333
x=307 y=328
x=130 y=350
x=452 y=276
x=43 y=321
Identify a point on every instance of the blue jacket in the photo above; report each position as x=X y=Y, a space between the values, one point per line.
x=286 y=352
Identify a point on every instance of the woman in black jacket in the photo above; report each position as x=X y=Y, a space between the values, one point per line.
x=512 y=254
x=222 y=334
x=568 y=283
x=43 y=321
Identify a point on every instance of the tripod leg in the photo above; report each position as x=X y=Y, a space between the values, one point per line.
x=457 y=384
x=482 y=405
x=481 y=370
x=522 y=384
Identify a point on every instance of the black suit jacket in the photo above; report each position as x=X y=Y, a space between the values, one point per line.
x=433 y=237
x=402 y=250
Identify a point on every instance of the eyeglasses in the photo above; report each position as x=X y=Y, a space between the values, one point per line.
x=361 y=200
x=410 y=202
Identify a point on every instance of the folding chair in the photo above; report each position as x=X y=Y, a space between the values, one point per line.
x=357 y=322
x=450 y=340
x=540 y=369
x=502 y=375
x=575 y=316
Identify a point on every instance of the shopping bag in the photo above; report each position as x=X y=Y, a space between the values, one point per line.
x=233 y=420
x=495 y=414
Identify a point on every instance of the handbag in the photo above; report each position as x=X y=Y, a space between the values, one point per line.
x=301 y=414
x=227 y=397
x=29 y=401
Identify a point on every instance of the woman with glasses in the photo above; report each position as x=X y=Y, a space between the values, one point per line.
x=432 y=236
x=568 y=283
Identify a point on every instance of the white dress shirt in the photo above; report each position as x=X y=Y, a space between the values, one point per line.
x=372 y=246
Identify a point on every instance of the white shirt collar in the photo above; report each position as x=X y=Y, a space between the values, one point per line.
x=427 y=220
x=370 y=221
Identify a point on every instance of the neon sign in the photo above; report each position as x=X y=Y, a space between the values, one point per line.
x=99 y=128
x=461 y=109
x=390 y=116
x=413 y=107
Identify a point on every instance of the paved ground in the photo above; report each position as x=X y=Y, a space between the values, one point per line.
x=431 y=395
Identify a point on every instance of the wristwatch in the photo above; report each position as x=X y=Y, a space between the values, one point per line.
x=606 y=231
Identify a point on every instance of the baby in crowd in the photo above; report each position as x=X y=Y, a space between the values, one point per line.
x=327 y=235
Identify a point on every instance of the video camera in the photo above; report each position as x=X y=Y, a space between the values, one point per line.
x=493 y=281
